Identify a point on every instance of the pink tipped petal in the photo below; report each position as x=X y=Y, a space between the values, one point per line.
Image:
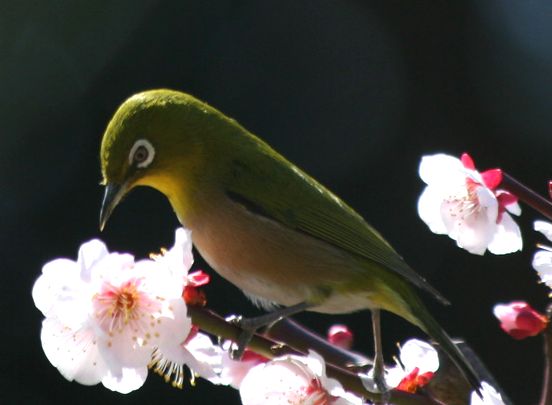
x=492 y=178
x=550 y=188
x=467 y=161
x=507 y=237
x=505 y=198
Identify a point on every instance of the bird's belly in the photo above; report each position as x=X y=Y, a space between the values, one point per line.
x=273 y=263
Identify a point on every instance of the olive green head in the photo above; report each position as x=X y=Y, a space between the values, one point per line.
x=152 y=138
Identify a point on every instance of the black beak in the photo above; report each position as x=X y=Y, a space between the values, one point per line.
x=112 y=197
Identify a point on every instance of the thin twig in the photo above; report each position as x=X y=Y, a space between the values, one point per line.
x=527 y=195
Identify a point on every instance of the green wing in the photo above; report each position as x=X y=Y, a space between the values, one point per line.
x=275 y=188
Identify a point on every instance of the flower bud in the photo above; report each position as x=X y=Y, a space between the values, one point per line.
x=519 y=320
x=340 y=336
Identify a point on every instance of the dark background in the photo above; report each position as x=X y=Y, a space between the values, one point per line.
x=355 y=92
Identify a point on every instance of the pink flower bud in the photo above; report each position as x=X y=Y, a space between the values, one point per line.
x=340 y=336
x=519 y=320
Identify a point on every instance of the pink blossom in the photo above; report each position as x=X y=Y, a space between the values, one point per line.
x=106 y=313
x=519 y=320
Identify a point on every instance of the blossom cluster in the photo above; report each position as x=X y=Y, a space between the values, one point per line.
x=109 y=318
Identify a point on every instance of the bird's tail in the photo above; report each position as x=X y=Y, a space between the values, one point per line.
x=429 y=325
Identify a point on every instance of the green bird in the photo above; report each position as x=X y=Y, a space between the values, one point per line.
x=261 y=222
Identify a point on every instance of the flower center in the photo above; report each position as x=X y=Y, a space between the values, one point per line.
x=461 y=207
x=316 y=394
x=116 y=307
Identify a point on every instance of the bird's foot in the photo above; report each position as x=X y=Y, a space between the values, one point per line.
x=374 y=381
x=250 y=325
x=248 y=328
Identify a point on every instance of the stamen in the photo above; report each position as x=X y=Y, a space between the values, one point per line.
x=171 y=372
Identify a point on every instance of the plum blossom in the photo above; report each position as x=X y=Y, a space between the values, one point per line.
x=106 y=313
x=490 y=396
x=519 y=320
x=293 y=380
x=466 y=205
x=417 y=363
x=542 y=261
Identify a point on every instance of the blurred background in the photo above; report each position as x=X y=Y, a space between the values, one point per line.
x=354 y=92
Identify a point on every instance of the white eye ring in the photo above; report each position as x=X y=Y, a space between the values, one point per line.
x=141 y=153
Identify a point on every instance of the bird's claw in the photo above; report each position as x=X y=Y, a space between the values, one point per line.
x=374 y=382
x=238 y=347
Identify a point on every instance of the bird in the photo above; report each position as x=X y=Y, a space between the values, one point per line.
x=261 y=222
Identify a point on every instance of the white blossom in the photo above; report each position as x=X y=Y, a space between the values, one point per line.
x=293 y=380
x=466 y=205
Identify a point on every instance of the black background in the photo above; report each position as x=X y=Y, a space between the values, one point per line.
x=355 y=92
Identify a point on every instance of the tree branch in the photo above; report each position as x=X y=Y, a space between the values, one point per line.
x=214 y=324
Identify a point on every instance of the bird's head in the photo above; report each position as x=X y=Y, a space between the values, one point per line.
x=152 y=140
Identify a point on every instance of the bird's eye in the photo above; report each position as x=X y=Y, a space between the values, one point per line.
x=141 y=154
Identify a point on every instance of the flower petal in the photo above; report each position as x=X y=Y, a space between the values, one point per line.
x=492 y=178
x=544 y=227
x=507 y=237
x=429 y=210
x=419 y=354
x=90 y=253
x=203 y=357
x=74 y=353
x=542 y=263
x=126 y=380
x=58 y=279
x=441 y=170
